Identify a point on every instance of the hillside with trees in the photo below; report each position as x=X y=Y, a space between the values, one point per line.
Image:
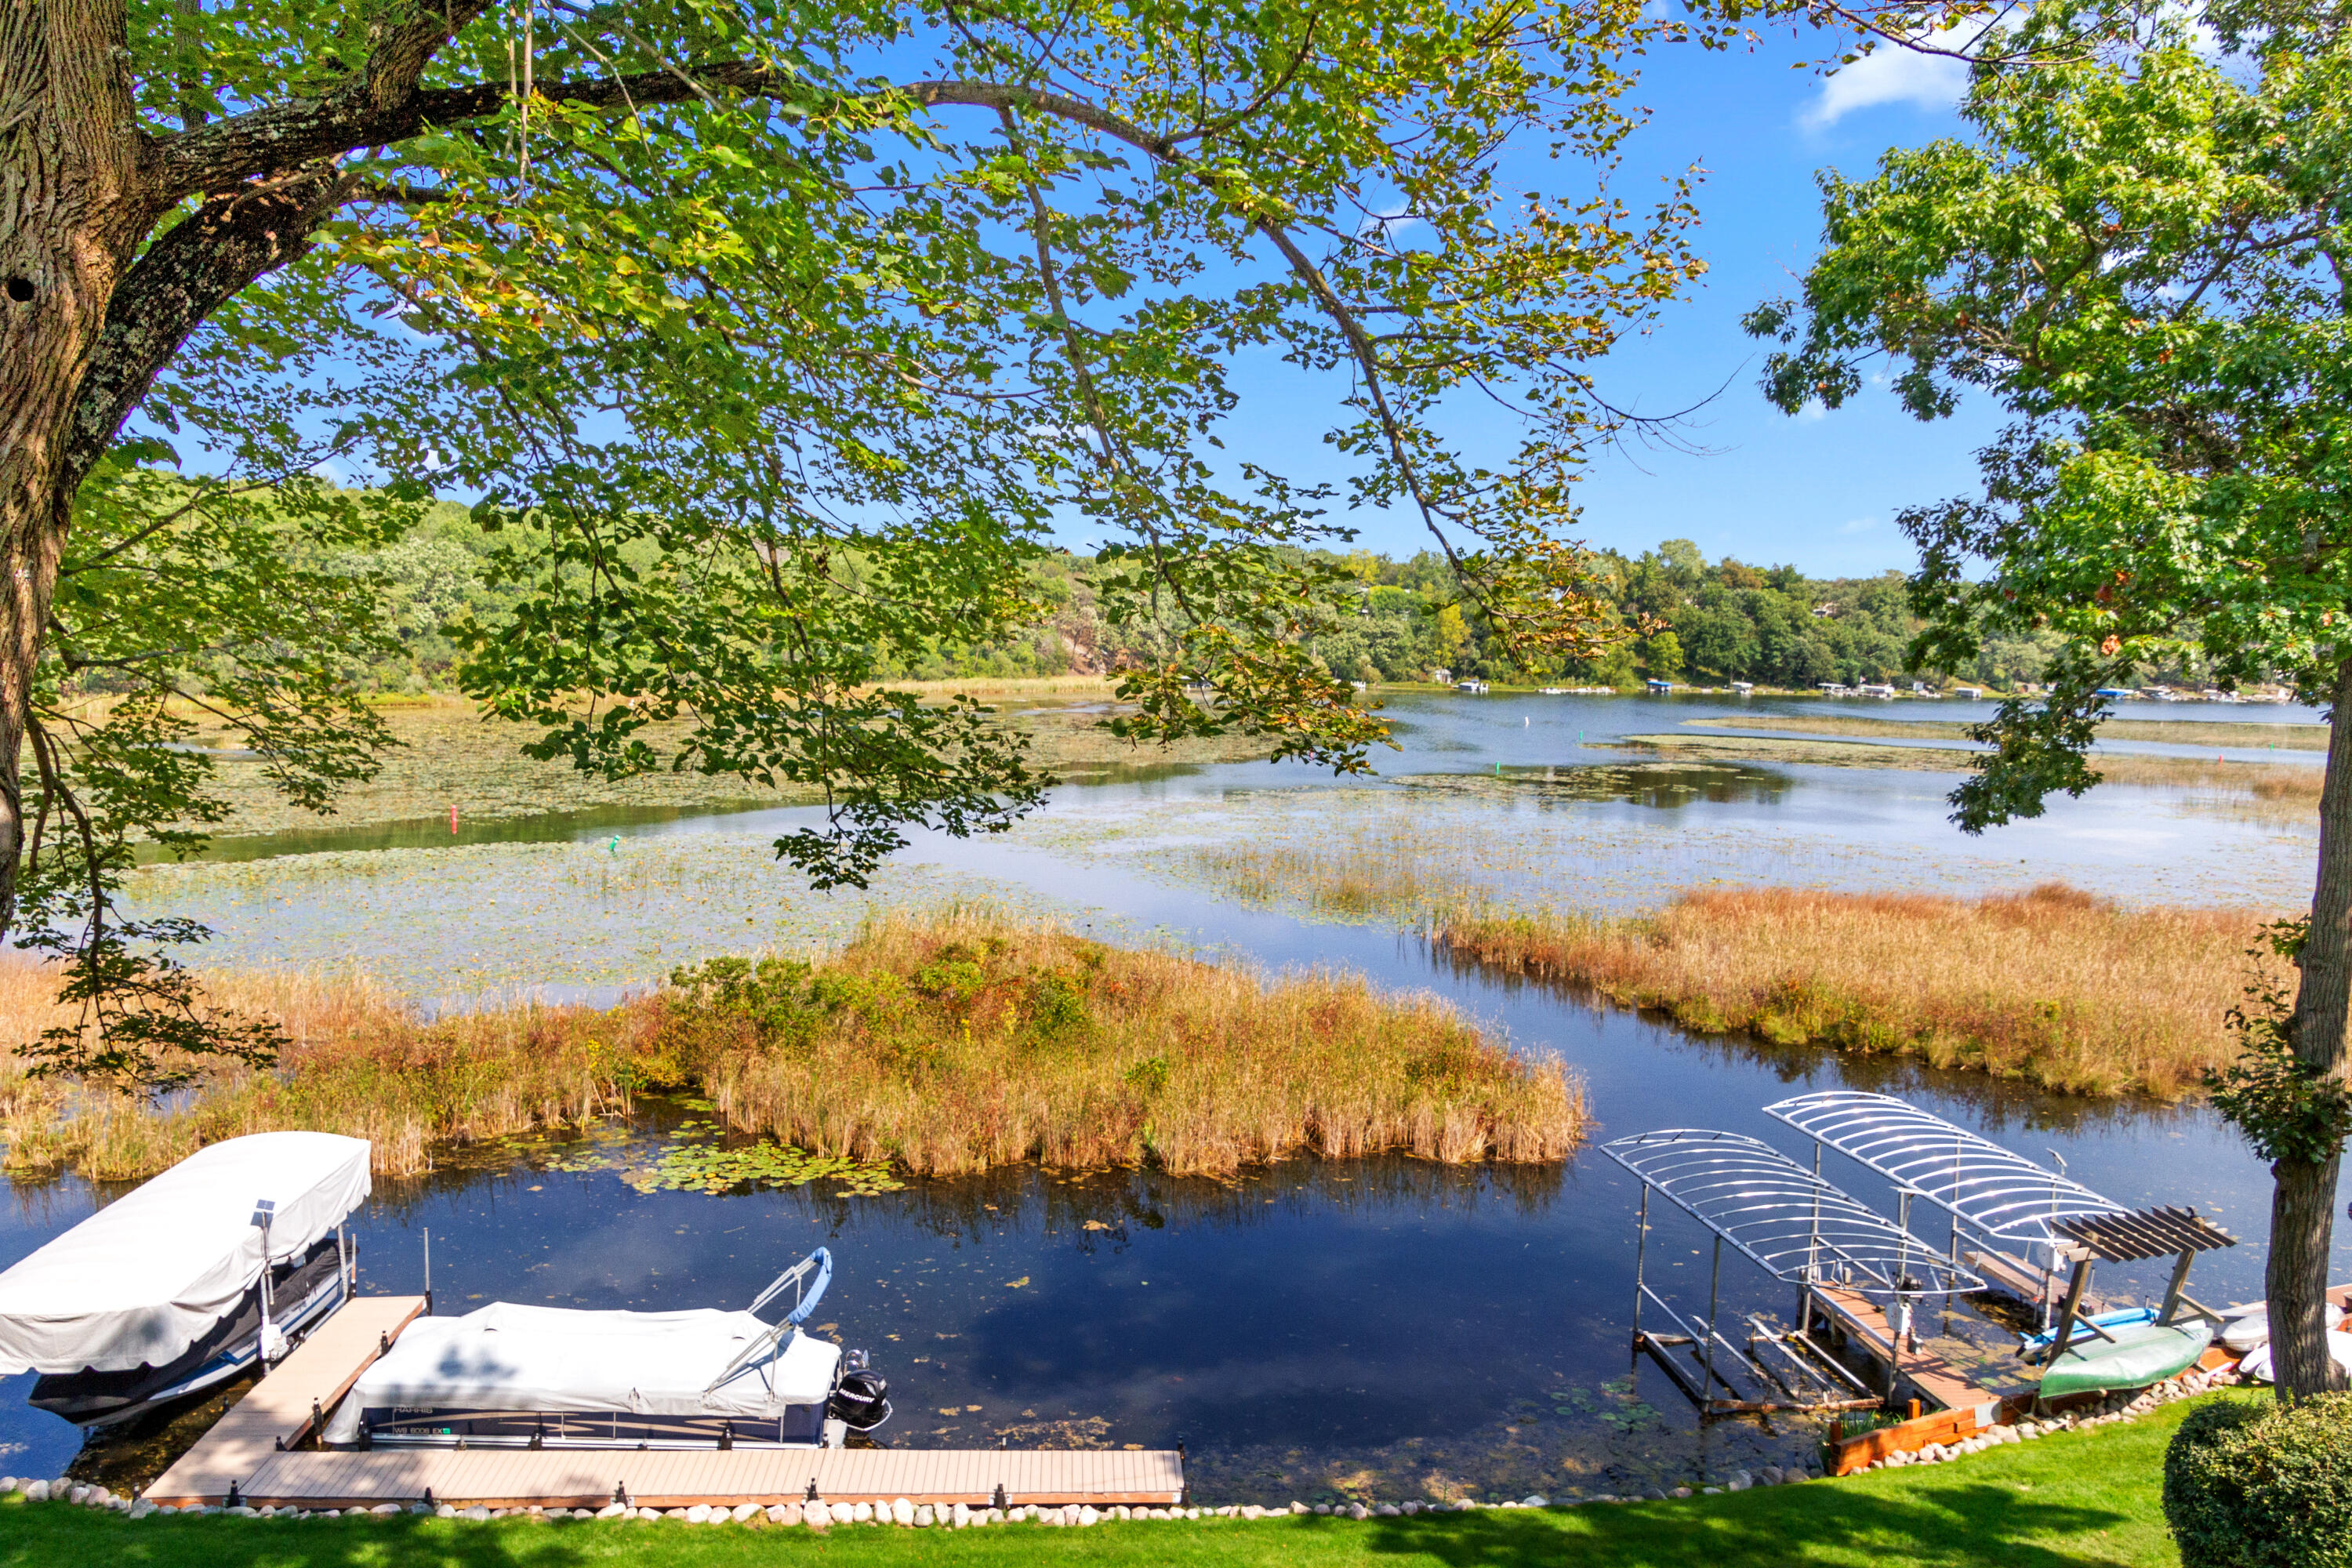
x=1713 y=622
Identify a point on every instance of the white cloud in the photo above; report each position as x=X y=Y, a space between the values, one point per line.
x=1891 y=74
x=1811 y=410
x=1858 y=525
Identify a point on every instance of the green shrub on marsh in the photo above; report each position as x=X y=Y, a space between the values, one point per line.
x=2262 y=1485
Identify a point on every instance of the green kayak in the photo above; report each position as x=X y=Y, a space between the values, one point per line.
x=2139 y=1355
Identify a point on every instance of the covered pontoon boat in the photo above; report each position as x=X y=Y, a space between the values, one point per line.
x=231 y=1254
x=552 y=1377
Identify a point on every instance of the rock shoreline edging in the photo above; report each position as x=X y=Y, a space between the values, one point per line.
x=2118 y=1406
x=813 y=1515
x=904 y=1512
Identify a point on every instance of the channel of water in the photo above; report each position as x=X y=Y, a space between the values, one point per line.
x=1383 y=1325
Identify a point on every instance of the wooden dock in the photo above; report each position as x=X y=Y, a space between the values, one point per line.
x=519 y=1478
x=1939 y=1382
x=278 y=1411
x=253 y=1451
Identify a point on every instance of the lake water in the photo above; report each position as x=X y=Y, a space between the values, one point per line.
x=1386 y=1326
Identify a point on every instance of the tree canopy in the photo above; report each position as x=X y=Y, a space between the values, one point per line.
x=777 y=339
x=2141 y=252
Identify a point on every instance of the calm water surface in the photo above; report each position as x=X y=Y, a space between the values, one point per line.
x=1384 y=1324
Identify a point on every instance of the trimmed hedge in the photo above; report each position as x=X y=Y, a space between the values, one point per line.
x=2262 y=1484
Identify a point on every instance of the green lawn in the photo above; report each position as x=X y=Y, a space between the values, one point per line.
x=2071 y=1499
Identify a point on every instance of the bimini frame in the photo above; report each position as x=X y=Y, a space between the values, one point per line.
x=1996 y=1198
x=1792 y=1223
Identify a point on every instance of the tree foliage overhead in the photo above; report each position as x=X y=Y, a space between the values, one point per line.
x=712 y=301
x=2142 y=255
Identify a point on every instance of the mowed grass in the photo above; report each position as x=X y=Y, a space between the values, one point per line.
x=943 y=1044
x=2053 y=985
x=2073 y=1499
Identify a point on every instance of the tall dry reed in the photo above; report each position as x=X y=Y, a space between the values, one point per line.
x=945 y=1043
x=952 y=1044
x=358 y=1061
x=2052 y=986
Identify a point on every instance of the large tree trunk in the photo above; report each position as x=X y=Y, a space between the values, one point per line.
x=71 y=211
x=2302 y=1201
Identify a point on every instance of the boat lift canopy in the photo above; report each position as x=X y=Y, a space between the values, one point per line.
x=1978 y=1182
x=1785 y=1219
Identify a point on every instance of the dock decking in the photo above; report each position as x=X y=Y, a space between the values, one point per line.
x=252 y=1450
x=1938 y=1381
x=277 y=1412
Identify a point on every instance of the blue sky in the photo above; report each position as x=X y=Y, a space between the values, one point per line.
x=1821 y=489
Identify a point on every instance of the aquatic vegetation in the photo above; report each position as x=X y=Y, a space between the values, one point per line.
x=488 y=924
x=965 y=1040
x=2181 y=731
x=935 y=1044
x=2285 y=792
x=450 y=755
x=1624 y=836
x=709 y=1167
x=2053 y=985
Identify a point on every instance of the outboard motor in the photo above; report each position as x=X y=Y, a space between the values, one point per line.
x=862 y=1401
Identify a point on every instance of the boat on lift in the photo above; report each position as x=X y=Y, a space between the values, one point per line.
x=226 y=1260
x=515 y=1376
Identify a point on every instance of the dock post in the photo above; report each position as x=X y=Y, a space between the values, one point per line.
x=2075 y=1289
x=2172 y=1292
x=1641 y=1251
x=1713 y=1287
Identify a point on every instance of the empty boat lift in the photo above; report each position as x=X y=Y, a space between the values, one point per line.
x=1999 y=1202
x=1800 y=1229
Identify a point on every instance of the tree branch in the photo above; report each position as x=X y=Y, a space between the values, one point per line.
x=194 y=269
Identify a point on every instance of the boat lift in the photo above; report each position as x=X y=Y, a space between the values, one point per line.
x=1996 y=1198
x=1798 y=1228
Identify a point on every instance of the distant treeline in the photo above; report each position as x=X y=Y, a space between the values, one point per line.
x=1718 y=622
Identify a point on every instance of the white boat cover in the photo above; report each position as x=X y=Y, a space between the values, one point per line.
x=512 y=1357
x=144 y=1277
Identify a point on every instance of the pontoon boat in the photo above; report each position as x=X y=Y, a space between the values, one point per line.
x=512 y=1376
x=232 y=1254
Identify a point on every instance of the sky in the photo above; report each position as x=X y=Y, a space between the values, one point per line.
x=1819 y=490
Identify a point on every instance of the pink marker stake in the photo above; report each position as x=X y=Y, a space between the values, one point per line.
x=453 y=819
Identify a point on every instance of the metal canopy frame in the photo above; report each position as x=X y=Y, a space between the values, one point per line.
x=1795 y=1226
x=1785 y=1219
x=1976 y=1181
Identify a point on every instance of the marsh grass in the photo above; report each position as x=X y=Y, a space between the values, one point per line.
x=448 y=755
x=360 y=1061
x=2053 y=985
x=941 y=1043
x=2181 y=731
x=963 y=1041
x=1371 y=869
x=2286 y=793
